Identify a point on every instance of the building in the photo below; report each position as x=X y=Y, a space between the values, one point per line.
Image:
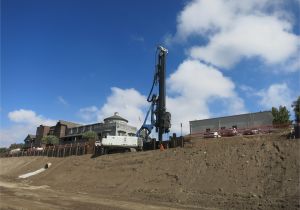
x=113 y=126
x=29 y=140
x=241 y=121
x=69 y=132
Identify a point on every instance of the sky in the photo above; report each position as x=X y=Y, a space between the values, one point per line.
x=83 y=60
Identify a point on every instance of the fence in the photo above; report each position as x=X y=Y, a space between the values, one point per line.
x=261 y=129
x=57 y=151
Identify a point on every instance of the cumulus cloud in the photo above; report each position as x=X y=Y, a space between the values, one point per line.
x=276 y=95
x=129 y=103
x=89 y=114
x=239 y=29
x=25 y=122
x=29 y=117
x=193 y=85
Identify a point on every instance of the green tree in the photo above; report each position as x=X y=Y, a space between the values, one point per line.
x=281 y=115
x=50 y=140
x=296 y=107
x=90 y=135
x=16 y=146
x=3 y=150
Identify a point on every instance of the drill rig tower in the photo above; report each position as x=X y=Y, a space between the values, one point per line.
x=160 y=118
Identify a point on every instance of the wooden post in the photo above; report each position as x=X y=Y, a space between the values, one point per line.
x=53 y=150
x=57 y=151
x=76 y=149
x=64 y=151
x=70 y=150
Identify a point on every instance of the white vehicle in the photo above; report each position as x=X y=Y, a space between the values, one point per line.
x=38 y=148
x=15 y=151
x=120 y=143
x=212 y=134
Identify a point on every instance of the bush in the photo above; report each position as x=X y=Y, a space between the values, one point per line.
x=90 y=135
x=50 y=140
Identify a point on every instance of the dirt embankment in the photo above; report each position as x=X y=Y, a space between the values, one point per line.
x=259 y=172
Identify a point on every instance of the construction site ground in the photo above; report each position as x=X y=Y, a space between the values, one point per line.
x=242 y=172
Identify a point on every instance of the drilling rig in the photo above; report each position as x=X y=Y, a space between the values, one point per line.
x=160 y=118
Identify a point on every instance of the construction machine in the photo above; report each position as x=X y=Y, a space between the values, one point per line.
x=159 y=117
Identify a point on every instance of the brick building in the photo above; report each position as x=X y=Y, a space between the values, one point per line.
x=69 y=132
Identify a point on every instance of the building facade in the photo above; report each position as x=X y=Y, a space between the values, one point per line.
x=250 y=120
x=29 y=141
x=69 y=132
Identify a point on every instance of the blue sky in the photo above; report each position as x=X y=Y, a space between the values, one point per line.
x=83 y=60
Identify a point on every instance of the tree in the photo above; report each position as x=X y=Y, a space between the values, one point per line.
x=16 y=146
x=3 y=150
x=50 y=140
x=90 y=135
x=281 y=115
x=296 y=107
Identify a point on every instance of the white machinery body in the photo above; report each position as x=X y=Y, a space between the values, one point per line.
x=122 y=141
x=15 y=151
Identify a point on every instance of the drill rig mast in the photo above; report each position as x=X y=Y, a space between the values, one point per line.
x=160 y=118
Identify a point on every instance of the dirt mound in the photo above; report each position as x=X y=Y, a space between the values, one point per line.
x=258 y=172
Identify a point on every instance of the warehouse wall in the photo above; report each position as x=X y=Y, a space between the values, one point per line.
x=240 y=121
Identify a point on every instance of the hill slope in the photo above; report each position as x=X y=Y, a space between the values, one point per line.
x=256 y=172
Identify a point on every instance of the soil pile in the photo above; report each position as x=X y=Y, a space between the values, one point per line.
x=256 y=172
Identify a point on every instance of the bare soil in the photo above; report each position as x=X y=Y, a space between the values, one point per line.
x=255 y=172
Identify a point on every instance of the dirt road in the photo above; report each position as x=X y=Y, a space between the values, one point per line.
x=260 y=172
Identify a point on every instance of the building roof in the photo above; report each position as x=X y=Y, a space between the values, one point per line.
x=69 y=124
x=32 y=136
x=116 y=117
x=251 y=113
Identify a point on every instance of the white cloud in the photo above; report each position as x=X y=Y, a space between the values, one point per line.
x=190 y=89
x=194 y=85
x=25 y=122
x=250 y=36
x=62 y=101
x=89 y=114
x=239 y=29
x=29 y=117
x=276 y=95
x=129 y=103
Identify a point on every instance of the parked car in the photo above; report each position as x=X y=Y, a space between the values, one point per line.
x=212 y=134
x=250 y=132
x=228 y=132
